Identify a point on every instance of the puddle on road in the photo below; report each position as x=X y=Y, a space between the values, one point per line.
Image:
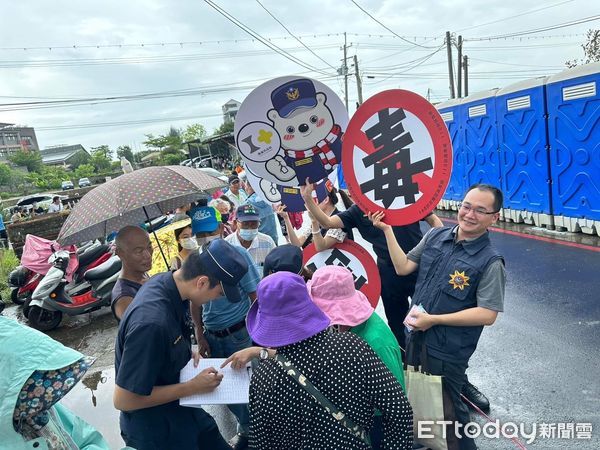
x=91 y=399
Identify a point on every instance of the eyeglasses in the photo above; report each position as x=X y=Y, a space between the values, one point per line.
x=478 y=211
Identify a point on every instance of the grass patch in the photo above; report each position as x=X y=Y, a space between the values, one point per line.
x=8 y=261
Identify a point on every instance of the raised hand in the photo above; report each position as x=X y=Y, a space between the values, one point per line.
x=377 y=220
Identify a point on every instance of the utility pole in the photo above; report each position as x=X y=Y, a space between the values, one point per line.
x=458 y=67
x=450 y=73
x=358 y=81
x=466 y=72
x=429 y=94
x=345 y=70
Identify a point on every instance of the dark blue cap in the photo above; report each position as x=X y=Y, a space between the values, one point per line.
x=293 y=95
x=285 y=258
x=247 y=213
x=226 y=264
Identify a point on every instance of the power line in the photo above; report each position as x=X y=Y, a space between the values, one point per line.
x=389 y=29
x=516 y=15
x=70 y=62
x=123 y=123
x=423 y=60
x=162 y=44
x=536 y=30
x=512 y=64
x=254 y=34
x=292 y=34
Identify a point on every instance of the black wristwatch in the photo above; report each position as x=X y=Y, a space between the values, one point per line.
x=263 y=354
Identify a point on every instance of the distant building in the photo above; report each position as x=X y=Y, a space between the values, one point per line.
x=230 y=110
x=14 y=138
x=64 y=155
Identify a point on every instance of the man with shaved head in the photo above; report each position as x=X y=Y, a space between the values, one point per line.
x=134 y=248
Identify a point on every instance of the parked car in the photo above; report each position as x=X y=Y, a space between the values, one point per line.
x=83 y=182
x=42 y=200
x=66 y=185
x=186 y=162
x=214 y=173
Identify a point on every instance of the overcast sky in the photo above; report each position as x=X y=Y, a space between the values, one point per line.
x=220 y=60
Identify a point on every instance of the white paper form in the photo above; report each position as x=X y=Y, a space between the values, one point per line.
x=234 y=387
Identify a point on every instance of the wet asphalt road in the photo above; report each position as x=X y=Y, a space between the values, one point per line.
x=540 y=362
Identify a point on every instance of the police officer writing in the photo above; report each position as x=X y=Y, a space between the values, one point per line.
x=153 y=346
x=460 y=288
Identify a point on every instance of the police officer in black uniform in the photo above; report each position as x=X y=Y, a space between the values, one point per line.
x=153 y=346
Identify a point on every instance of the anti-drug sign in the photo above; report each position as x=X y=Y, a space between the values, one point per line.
x=397 y=156
x=353 y=257
x=289 y=129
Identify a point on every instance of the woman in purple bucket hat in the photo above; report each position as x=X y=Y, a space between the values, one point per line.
x=321 y=389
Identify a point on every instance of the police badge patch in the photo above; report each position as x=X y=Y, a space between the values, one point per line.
x=459 y=280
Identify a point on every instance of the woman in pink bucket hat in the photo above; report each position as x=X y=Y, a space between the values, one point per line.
x=321 y=389
x=332 y=290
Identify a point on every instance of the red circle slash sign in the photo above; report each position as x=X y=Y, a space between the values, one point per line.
x=397 y=156
x=353 y=257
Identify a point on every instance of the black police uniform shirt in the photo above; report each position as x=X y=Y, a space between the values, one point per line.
x=408 y=236
x=152 y=347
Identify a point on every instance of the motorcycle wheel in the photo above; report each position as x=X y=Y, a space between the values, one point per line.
x=43 y=319
x=18 y=299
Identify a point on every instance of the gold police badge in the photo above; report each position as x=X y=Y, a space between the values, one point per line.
x=459 y=280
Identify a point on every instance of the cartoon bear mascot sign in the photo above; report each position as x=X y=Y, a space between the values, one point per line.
x=289 y=129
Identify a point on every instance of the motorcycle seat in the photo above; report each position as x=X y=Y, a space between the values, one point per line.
x=104 y=270
x=91 y=254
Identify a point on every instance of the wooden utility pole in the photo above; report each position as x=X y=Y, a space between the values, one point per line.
x=466 y=72
x=345 y=71
x=458 y=68
x=358 y=81
x=450 y=73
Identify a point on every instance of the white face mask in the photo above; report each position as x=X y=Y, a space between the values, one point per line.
x=189 y=243
x=204 y=240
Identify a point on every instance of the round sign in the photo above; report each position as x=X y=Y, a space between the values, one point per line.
x=289 y=196
x=353 y=257
x=397 y=156
x=290 y=129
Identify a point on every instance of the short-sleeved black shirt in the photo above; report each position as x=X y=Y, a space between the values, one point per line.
x=407 y=236
x=152 y=347
x=123 y=288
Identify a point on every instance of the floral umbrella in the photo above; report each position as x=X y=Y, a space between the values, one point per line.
x=164 y=239
x=134 y=198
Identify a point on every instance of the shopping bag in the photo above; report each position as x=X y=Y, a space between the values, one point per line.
x=425 y=395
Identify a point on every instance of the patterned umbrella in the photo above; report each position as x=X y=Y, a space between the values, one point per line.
x=164 y=243
x=132 y=198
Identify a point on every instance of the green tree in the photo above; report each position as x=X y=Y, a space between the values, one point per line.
x=226 y=127
x=591 y=49
x=27 y=158
x=193 y=132
x=50 y=177
x=101 y=157
x=124 y=151
x=84 y=171
x=79 y=158
x=103 y=150
x=5 y=175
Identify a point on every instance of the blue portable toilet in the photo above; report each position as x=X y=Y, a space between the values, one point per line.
x=479 y=144
x=450 y=112
x=574 y=139
x=523 y=150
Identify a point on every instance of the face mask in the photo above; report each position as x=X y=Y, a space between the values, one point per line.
x=204 y=240
x=189 y=243
x=248 y=235
x=224 y=218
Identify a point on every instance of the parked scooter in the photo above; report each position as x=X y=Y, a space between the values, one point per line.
x=22 y=283
x=54 y=296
